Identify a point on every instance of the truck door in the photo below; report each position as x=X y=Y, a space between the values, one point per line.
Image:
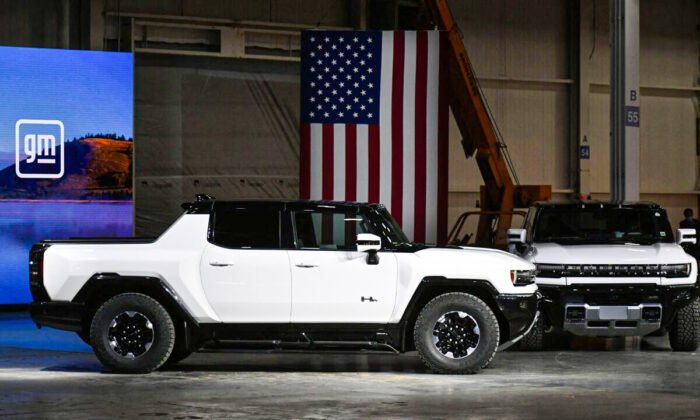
x=245 y=273
x=331 y=281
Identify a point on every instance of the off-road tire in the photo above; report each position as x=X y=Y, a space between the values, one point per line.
x=533 y=340
x=474 y=307
x=163 y=333
x=684 y=332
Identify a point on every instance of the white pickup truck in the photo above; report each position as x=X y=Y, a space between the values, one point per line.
x=610 y=269
x=297 y=274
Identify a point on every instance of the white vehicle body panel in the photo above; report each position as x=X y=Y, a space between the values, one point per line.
x=328 y=286
x=174 y=258
x=267 y=285
x=247 y=285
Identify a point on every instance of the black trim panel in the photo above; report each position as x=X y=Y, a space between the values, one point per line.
x=61 y=315
x=671 y=297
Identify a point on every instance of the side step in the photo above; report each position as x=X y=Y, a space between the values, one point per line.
x=305 y=343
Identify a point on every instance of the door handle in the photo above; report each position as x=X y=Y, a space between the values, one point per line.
x=302 y=265
x=219 y=264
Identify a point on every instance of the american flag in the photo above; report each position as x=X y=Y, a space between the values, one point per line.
x=374 y=123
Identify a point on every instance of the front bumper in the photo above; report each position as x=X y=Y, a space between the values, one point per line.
x=60 y=315
x=614 y=309
x=519 y=312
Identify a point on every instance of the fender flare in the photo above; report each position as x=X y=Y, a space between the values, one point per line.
x=432 y=286
x=102 y=285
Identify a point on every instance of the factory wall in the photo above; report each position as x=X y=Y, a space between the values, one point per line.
x=229 y=126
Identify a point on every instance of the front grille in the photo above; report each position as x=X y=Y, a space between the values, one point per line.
x=36 y=273
x=616 y=270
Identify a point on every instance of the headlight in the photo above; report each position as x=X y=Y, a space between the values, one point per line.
x=522 y=277
x=675 y=270
x=551 y=270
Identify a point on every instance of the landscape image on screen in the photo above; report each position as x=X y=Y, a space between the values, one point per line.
x=66 y=152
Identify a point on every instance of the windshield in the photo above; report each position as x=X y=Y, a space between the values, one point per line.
x=390 y=229
x=602 y=225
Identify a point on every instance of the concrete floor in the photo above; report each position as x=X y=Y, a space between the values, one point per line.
x=36 y=381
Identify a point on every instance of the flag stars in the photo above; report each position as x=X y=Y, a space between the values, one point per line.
x=355 y=39
x=340 y=114
x=326 y=85
x=369 y=115
x=326 y=39
x=311 y=114
x=312 y=39
x=362 y=47
x=333 y=47
x=333 y=107
x=327 y=54
x=325 y=114
x=354 y=114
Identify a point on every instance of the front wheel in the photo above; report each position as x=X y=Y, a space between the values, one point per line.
x=684 y=332
x=132 y=333
x=456 y=333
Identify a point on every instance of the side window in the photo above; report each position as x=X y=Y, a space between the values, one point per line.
x=328 y=230
x=247 y=228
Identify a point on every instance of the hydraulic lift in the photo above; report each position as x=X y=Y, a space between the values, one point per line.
x=502 y=192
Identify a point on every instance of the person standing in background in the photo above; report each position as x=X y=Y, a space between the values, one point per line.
x=691 y=223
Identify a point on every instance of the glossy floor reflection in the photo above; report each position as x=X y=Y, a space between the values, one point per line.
x=605 y=378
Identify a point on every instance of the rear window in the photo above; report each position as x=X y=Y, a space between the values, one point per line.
x=247 y=228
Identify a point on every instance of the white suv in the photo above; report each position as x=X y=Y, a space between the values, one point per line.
x=610 y=269
x=298 y=274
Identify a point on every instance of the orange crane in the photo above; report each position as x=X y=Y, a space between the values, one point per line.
x=501 y=193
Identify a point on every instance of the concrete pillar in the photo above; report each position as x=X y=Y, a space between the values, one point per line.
x=624 y=100
x=586 y=49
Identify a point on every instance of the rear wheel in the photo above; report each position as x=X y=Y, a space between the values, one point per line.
x=684 y=333
x=456 y=333
x=132 y=333
x=533 y=340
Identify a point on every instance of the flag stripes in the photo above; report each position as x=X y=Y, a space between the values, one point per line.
x=398 y=158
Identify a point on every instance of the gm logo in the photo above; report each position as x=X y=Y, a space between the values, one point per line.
x=39 y=151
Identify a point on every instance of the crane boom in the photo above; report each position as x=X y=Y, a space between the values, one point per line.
x=500 y=194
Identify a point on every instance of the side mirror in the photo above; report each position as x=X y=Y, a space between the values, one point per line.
x=371 y=244
x=367 y=242
x=686 y=236
x=516 y=236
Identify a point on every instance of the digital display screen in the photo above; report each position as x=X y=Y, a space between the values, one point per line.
x=66 y=152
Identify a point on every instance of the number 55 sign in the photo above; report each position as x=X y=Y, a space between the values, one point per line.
x=632 y=116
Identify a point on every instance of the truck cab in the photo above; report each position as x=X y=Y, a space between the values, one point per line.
x=610 y=269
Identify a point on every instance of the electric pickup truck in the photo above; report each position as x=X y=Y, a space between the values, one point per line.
x=610 y=269
x=282 y=275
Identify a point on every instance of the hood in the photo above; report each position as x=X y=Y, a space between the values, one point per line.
x=475 y=257
x=659 y=253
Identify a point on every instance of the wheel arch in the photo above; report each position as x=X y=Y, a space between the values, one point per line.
x=432 y=286
x=103 y=286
